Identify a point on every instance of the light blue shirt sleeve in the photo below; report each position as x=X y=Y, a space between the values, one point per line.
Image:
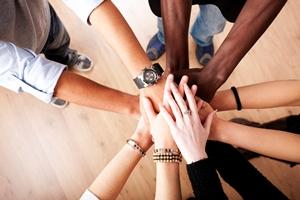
x=22 y=70
x=83 y=8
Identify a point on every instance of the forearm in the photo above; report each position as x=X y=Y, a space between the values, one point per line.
x=272 y=143
x=167 y=174
x=251 y=23
x=108 y=21
x=168 y=181
x=261 y=95
x=205 y=181
x=176 y=17
x=112 y=178
x=80 y=90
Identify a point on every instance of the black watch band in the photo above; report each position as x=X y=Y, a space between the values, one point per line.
x=158 y=68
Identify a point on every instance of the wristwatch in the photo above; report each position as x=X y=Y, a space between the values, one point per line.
x=149 y=76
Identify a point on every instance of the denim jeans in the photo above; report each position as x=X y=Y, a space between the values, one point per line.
x=209 y=22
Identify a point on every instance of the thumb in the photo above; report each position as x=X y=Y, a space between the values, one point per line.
x=149 y=110
x=208 y=121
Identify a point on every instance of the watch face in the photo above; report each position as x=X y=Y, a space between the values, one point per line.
x=150 y=76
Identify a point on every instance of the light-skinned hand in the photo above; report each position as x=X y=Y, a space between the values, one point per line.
x=159 y=129
x=187 y=130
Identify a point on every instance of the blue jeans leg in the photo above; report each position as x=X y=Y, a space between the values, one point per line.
x=209 y=22
x=160 y=33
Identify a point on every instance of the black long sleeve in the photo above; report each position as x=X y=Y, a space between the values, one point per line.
x=240 y=173
x=205 y=181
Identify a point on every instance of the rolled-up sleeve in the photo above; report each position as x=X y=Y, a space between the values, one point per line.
x=22 y=70
x=83 y=8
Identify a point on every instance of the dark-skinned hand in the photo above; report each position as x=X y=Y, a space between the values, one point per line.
x=206 y=81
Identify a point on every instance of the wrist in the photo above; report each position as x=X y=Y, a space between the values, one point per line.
x=222 y=64
x=218 y=79
x=199 y=156
x=144 y=140
x=134 y=108
x=159 y=82
x=166 y=144
x=217 y=129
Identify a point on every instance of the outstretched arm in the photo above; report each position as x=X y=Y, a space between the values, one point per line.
x=112 y=178
x=253 y=20
x=167 y=173
x=272 y=143
x=108 y=21
x=28 y=72
x=176 y=19
x=80 y=90
x=262 y=95
x=255 y=14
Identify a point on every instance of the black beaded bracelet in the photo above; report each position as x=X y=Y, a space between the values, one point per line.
x=237 y=98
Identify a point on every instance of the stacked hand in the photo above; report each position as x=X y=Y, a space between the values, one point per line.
x=204 y=79
x=179 y=123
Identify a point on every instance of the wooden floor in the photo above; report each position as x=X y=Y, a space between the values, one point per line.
x=48 y=153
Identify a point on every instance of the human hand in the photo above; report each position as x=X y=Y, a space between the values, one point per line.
x=150 y=112
x=204 y=110
x=187 y=131
x=158 y=128
x=207 y=82
x=167 y=90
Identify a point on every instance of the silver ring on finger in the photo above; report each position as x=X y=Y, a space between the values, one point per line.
x=187 y=112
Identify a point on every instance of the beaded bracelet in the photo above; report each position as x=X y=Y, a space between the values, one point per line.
x=163 y=150
x=167 y=158
x=135 y=146
x=167 y=155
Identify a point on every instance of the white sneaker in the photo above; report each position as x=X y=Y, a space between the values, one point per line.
x=79 y=61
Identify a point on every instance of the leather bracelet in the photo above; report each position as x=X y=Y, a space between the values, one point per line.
x=135 y=146
x=237 y=98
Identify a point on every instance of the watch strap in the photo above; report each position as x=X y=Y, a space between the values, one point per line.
x=139 y=82
x=158 y=68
